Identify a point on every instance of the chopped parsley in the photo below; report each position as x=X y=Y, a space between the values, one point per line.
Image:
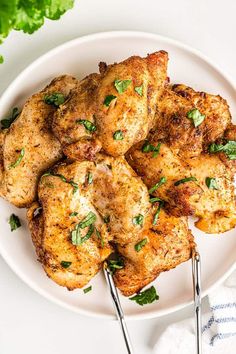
x=157 y=185
x=54 y=99
x=63 y=178
x=155 y=199
x=196 y=117
x=147 y=147
x=88 y=221
x=6 y=122
x=138 y=220
x=74 y=213
x=108 y=100
x=146 y=297
x=14 y=222
x=157 y=213
x=122 y=85
x=90 y=178
x=118 y=135
x=140 y=245
x=211 y=183
x=139 y=90
x=114 y=264
x=107 y=219
x=184 y=180
x=229 y=149
x=18 y=161
x=86 y=290
x=90 y=126
x=66 y=264
x=99 y=236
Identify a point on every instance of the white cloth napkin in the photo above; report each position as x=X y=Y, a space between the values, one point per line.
x=218 y=326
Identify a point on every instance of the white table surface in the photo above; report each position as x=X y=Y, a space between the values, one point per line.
x=29 y=324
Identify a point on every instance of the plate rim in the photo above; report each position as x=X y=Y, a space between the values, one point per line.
x=30 y=67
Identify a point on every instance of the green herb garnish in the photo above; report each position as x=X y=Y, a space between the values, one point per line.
x=74 y=213
x=108 y=100
x=107 y=219
x=54 y=99
x=211 y=183
x=114 y=264
x=138 y=220
x=229 y=149
x=140 y=245
x=90 y=126
x=147 y=147
x=118 y=135
x=14 y=222
x=155 y=199
x=184 y=180
x=18 y=161
x=6 y=123
x=139 y=90
x=157 y=185
x=88 y=235
x=63 y=178
x=146 y=297
x=99 y=236
x=90 y=178
x=88 y=220
x=122 y=85
x=74 y=185
x=196 y=116
x=86 y=290
x=157 y=213
x=66 y=264
x=76 y=236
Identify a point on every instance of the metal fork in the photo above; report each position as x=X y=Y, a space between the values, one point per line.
x=118 y=308
x=196 y=274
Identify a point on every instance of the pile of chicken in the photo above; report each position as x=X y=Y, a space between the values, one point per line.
x=115 y=163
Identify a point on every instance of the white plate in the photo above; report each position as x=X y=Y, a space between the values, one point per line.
x=81 y=57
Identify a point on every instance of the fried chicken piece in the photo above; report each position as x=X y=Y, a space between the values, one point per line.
x=111 y=190
x=169 y=243
x=64 y=205
x=28 y=147
x=115 y=108
x=215 y=208
x=214 y=107
x=178 y=130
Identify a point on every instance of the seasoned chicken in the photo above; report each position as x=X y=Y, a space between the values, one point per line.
x=208 y=194
x=112 y=110
x=122 y=216
x=190 y=120
x=28 y=147
x=168 y=244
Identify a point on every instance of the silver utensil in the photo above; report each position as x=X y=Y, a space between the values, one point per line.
x=196 y=273
x=118 y=308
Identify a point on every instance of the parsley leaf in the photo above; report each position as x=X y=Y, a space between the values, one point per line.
x=211 y=183
x=6 y=123
x=138 y=220
x=66 y=264
x=140 y=245
x=114 y=264
x=63 y=178
x=86 y=290
x=108 y=100
x=14 y=222
x=139 y=90
x=146 y=297
x=122 y=85
x=196 y=116
x=54 y=99
x=18 y=161
x=184 y=180
x=88 y=220
x=87 y=124
x=99 y=236
x=157 y=185
x=229 y=149
x=157 y=213
x=118 y=135
x=74 y=213
x=147 y=147
x=155 y=199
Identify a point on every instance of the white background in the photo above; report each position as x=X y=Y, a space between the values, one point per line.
x=29 y=324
